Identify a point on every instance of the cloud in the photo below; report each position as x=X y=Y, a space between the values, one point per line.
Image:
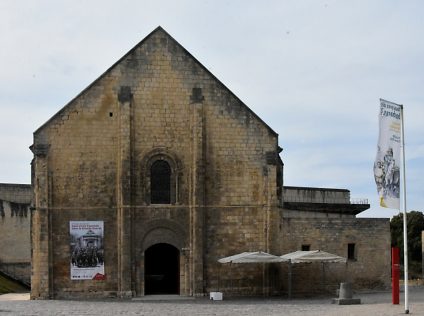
x=314 y=71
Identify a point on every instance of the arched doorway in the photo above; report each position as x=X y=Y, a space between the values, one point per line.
x=161 y=270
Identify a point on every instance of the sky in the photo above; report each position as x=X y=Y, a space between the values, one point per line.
x=314 y=71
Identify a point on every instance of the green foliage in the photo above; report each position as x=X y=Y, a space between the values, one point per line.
x=415 y=225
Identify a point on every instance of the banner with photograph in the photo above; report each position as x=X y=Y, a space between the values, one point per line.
x=387 y=162
x=86 y=241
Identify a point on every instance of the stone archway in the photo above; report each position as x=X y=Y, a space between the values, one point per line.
x=162 y=269
x=160 y=232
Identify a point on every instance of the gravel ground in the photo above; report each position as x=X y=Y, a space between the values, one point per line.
x=372 y=304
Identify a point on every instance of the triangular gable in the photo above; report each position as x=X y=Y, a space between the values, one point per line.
x=158 y=29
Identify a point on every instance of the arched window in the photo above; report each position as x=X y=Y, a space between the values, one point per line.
x=160 y=183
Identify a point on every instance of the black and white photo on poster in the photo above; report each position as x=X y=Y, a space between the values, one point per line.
x=87 y=250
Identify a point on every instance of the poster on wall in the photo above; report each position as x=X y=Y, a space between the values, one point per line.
x=86 y=241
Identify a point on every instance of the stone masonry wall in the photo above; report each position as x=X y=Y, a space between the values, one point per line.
x=316 y=195
x=369 y=269
x=15 y=246
x=100 y=147
x=232 y=231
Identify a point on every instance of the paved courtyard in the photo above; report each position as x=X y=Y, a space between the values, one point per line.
x=372 y=304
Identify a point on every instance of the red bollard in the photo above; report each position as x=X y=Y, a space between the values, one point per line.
x=395 y=275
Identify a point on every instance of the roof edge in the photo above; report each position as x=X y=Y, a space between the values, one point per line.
x=314 y=189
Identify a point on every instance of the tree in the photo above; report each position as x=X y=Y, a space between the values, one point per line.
x=415 y=223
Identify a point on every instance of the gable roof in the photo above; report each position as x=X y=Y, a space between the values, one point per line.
x=158 y=29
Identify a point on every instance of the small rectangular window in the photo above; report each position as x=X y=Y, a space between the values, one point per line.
x=306 y=247
x=351 y=253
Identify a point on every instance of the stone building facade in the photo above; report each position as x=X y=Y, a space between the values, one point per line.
x=318 y=218
x=180 y=172
x=15 y=218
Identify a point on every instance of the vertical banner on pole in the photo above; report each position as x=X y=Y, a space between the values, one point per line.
x=387 y=162
x=387 y=171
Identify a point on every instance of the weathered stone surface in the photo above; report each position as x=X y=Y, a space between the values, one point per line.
x=369 y=269
x=158 y=103
x=15 y=246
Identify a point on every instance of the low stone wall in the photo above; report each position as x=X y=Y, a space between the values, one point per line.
x=315 y=195
x=20 y=271
x=15 y=242
x=368 y=268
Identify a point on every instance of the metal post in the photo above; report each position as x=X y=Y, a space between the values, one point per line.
x=405 y=240
x=290 y=279
x=395 y=275
x=422 y=253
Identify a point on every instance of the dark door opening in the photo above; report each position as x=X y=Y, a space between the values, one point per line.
x=161 y=270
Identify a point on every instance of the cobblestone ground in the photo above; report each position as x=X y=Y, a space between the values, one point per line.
x=372 y=304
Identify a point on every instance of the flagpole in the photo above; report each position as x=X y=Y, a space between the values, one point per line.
x=405 y=241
